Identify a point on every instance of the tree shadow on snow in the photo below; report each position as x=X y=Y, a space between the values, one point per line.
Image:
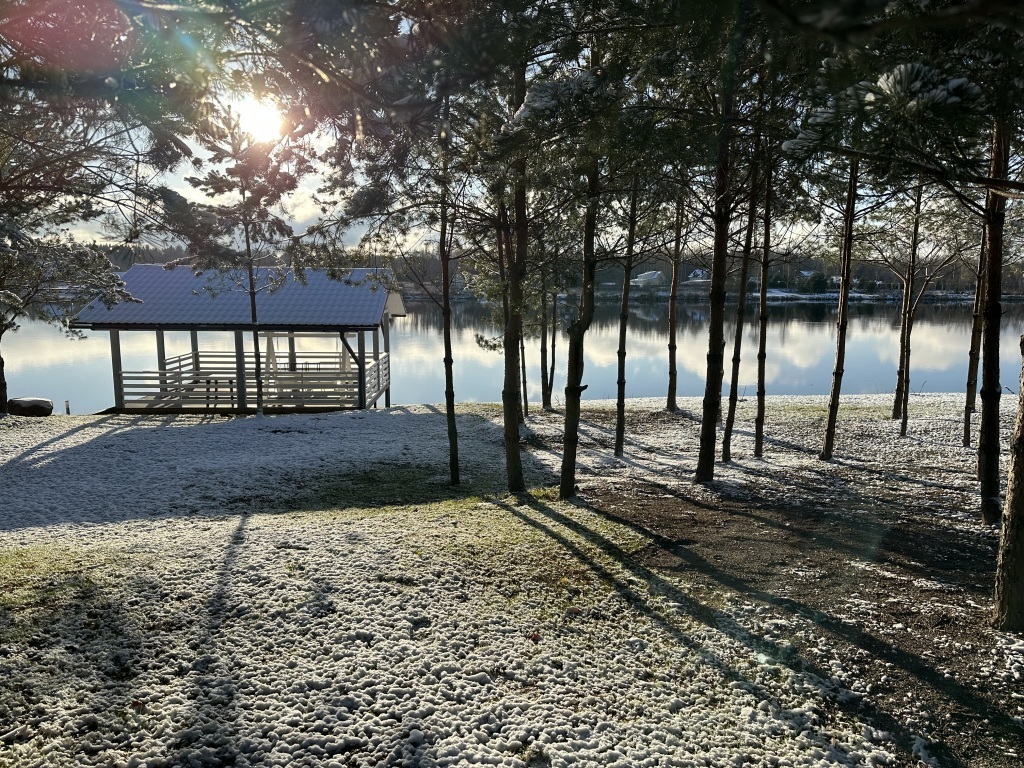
x=569 y=534
x=145 y=467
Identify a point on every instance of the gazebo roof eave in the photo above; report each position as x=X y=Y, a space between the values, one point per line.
x=275 y=327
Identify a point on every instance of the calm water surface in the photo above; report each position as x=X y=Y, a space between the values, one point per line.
x=42 y=362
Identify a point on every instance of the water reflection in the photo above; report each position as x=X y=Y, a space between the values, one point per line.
x=801 y=344
x=41 y=361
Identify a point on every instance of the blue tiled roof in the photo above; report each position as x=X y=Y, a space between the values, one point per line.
x=178 y=298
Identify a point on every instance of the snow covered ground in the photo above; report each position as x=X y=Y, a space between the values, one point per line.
x=305 y=591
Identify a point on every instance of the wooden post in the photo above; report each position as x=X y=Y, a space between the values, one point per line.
x=241 y=403
x=291 y=351
x=194 y=339
x=347 y=352
x=344 y=354
x=376 y=360
x=385 y=330
x=115 y=360
x=161 y=360
x=361 y=349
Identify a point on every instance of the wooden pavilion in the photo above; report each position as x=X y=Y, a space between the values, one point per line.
x=355 y=311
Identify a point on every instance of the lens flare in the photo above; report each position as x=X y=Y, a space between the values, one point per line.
x=259 y=119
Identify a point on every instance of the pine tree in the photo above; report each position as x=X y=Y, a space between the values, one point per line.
x=241 y=239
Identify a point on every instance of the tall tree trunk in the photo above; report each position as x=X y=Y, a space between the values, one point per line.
x=574 y=386
x=905 y=405
x=445 y=254
x=906 y=279
x=516 y=273
x=620 y=394
x=849 y=214
x=504 y=244
x=506 y=251
x=918 y=294
x=3 y=384
x=716 y=332
x=903 y=366
x=510 y=389
x=901 y=371
x=255 y=324
x=449 y=375
x=988 y=439
x=554 y=338
x=762 y=315
x=545 y=390
x=974 y=355
x=522 y=365
x=1009 y=595
x=673 y=297
x=737 y=341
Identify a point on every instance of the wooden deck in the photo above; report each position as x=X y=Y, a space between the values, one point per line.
x=213 y=382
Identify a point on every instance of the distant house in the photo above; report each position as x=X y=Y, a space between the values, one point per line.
x=649 y=280
x=699 y=274
x=356 y=312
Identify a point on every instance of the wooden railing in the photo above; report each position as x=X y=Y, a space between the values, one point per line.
x=378 y=378
x=183 y=389
x=308 y=380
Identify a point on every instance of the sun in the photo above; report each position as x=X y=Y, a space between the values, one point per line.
x=259 y=119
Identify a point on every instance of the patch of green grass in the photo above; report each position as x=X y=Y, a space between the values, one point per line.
x=384 y=485
x=38 y=583
x=589 y=410
x=36 y=576
x=800 y=410
x=864 y=410
x=488 y=411
x=818 y=412
x=545 y=493
x=514 y=559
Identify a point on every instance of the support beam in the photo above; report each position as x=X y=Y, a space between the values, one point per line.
x=385 y=331
x=346 y=351
x=115 y=359
x=161 y=360
x=360 y=370
x=361 y=340
x=240 y=398
x=375 y=336
x=193 y=337
x=292 y=366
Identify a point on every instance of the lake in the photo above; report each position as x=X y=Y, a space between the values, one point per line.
x=42 y=362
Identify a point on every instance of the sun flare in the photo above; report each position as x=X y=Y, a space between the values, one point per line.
x=259 y=119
